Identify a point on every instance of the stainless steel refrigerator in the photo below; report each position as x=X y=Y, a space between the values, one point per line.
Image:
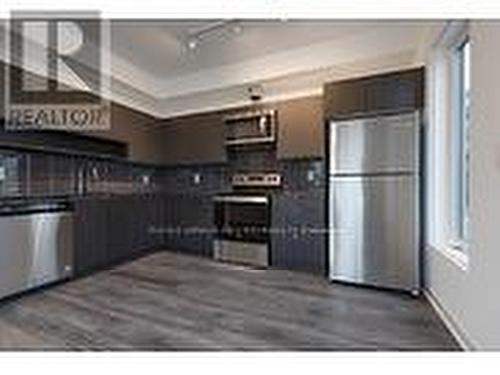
x=374 y=201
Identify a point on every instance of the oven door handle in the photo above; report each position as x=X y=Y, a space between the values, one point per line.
x=242 y=199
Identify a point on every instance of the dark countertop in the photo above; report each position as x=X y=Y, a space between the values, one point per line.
x=21 y=206
x=62 y=199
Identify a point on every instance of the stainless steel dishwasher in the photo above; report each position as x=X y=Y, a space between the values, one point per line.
x=36 y=245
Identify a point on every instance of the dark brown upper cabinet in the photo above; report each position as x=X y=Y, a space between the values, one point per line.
x=385 y=93
x=193 y=139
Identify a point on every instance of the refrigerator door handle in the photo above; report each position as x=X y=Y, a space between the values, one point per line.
x=331 y=228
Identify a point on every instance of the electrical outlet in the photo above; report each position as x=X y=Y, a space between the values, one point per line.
x=196 y=178
x=311 y=175
x=95 y=173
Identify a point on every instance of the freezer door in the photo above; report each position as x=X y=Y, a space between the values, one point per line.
x=376 y=145
x=374 y=236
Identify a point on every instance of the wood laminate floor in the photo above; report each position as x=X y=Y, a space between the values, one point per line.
x=168 y=301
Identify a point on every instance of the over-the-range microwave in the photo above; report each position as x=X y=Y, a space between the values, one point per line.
x=252 y=127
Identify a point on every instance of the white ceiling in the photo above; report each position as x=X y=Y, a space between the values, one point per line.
x=160 y=47
x=153 y=70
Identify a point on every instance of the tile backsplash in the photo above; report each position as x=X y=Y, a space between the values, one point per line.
x=256 y=159
x=190 y=179
x=301 y=174
x=36 y=174
x=43 y=174
x=13 y=174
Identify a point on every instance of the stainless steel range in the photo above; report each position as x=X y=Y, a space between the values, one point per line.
x=243 y=219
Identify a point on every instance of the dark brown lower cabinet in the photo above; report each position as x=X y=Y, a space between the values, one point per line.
x=189 y=220
x=91 y=234
x=298 y=237
x=109 y=230
x=120 y=229
x=155 y=221
x=112 y=229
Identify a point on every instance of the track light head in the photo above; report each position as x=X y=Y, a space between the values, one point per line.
x=192 y=44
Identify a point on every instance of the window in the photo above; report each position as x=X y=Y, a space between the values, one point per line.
x=461 y=155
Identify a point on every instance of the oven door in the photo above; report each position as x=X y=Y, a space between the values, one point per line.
x=242 y=217
x=243 y=223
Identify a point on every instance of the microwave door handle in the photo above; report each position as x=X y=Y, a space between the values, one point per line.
x=262 y=124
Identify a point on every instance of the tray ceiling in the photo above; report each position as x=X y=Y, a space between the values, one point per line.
x=154 y=70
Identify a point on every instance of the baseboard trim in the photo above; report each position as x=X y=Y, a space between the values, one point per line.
x=448 y=321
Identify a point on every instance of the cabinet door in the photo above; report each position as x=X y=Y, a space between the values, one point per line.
x=160 y=223
x=191 y=212
x=195 y=138
x=384 y=93
x=299 y=242
x=394 y=92
x=90 y=235
x=100 y=232
x=188 y=219
x=137 y=213
x=129 y=220
x=172 y=206
x=149 y=218
x=152 y=222
x=118 y=228
x=82 y=233
x=345 y=98
x=114 y=240
x=204 y=222
x=166 y=208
